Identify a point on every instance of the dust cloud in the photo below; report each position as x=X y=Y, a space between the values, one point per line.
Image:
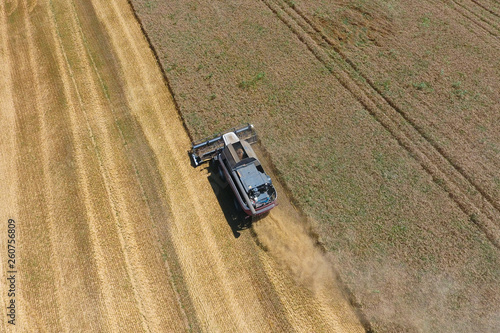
x=289 y=241
x=440 y=302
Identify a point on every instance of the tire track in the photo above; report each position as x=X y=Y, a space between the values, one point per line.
x=356 y=72
x=382 y=99
x=469 y=14
x=482 y=210
x=486 y=9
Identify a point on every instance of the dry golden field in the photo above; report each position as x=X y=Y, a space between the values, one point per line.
x=114 y=230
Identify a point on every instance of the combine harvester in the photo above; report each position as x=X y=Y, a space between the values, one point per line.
x=239 y=166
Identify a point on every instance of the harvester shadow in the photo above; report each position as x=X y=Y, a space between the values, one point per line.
x=236 y=219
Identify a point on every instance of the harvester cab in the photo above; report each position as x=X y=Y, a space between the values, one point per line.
x=239 y=166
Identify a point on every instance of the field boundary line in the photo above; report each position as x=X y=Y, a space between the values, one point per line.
x=173 y=99
x=162 y=70
x=221 y=269
x=430 y=156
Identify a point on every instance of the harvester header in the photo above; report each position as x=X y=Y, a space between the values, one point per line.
x=208 y=148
